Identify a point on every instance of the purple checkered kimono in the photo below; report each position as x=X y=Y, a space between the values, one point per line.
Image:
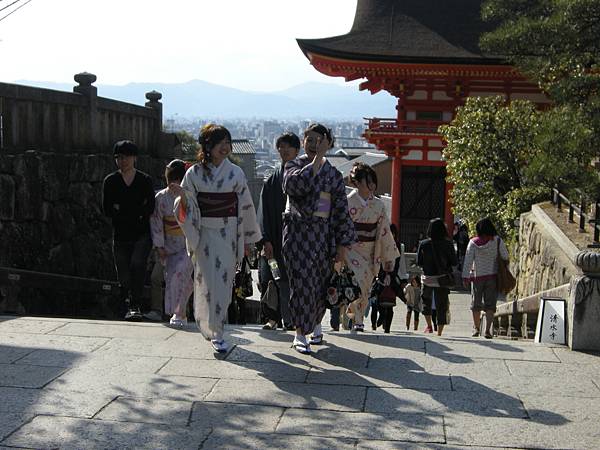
x=315 y=221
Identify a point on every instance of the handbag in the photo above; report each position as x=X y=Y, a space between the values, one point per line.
x=343 y=288
x=380 y=294
x=445 y=279
x=505 y=280
x=242 y=282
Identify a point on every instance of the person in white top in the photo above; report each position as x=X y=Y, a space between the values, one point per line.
x=479 y=272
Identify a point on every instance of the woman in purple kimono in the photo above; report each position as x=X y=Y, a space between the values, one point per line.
x=316 y=230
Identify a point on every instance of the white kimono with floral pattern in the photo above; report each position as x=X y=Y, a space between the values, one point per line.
x=215 y=244
x=375 y=247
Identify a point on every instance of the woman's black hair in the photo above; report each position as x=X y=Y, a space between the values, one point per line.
x=175 y=171
x=361 y=171
x=485 y=227
x=322 y=130
x=437 y=230
x=210 y=135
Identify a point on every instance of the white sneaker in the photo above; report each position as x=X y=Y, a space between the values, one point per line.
x=219 y=345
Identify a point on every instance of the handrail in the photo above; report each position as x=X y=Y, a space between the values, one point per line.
x=558 y=199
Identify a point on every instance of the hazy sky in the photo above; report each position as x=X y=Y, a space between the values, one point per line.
x=247 y=44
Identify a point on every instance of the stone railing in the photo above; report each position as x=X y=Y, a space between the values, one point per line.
x=78 y=122
x=518 y=318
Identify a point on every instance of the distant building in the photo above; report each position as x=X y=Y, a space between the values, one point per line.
x=245 y=155
x=425 y=53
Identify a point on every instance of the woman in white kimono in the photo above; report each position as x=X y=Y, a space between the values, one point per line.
x=375 y=244
x=219 y=222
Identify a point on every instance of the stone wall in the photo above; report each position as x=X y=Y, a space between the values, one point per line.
x=545 y=255
x=50 y=213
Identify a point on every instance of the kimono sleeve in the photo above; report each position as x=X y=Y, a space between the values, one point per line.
x=343 y=228
x=157 y=227
x=385 y=246
x=189 y=217
x=299 y=180
x=250 y=228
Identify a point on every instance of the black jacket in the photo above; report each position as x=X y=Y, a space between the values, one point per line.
x=446 y=256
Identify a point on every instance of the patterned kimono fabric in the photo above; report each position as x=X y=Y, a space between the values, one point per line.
x=316 y=220
x=218 y=221
x=375 y=246
x=167 y=233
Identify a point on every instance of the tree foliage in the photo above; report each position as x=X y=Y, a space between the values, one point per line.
x=502 y=158
x=554 y=42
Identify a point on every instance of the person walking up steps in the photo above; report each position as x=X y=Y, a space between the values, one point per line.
x=479 y=271
x=436 y=256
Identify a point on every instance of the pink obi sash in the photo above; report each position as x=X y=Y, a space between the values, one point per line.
x=365 y=231
x=218 y=204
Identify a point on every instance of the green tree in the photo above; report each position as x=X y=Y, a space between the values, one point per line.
x=555 y=43
x=189 y=144
x=503 y=158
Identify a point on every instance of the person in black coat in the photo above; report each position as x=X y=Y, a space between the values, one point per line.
x=273 y=202
x=436 y=256
x=128 y=200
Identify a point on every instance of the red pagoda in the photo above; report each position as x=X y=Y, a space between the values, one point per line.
x=426 y=53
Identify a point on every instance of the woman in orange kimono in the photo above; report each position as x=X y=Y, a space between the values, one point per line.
x=375 y=244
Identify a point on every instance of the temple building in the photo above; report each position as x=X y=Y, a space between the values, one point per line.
x=426 y=53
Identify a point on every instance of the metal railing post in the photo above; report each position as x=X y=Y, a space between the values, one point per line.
x=597 y=225
x=582 y=216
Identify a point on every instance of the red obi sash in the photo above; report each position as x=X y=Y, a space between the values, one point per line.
x=365 y=231
x=218 y=204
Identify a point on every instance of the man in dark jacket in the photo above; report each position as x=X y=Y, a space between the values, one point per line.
x=273 y=202
x=128 y=199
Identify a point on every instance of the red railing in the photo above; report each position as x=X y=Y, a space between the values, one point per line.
x=378 y=125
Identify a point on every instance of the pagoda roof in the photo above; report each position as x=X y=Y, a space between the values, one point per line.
x=411 y=32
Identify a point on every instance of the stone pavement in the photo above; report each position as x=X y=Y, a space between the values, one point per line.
x=82 y=384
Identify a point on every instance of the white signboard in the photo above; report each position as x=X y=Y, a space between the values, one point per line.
x=550 y=327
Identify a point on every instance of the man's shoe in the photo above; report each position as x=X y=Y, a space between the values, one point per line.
x=358 y=327
x=475 y=333
x=153 y=315
x=488 y=335
x=134 y=315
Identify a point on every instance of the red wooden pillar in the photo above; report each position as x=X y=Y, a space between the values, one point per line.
x=396 y=189
x=448 y=216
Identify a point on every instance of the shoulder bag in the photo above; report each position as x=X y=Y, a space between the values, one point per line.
x=505 y=280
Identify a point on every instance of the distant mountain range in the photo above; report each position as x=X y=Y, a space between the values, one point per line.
x=198 y=98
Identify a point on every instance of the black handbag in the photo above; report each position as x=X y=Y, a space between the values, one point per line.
x=242 y=282
x=343 y=288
